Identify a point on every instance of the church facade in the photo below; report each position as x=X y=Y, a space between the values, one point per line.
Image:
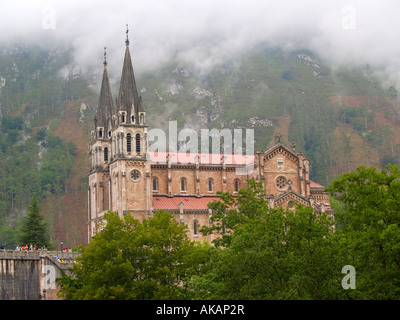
x=127 y=178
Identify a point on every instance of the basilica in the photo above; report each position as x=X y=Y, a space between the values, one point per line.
x=127 y=178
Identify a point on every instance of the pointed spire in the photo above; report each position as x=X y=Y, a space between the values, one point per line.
x=128 y=98
x=105 y=106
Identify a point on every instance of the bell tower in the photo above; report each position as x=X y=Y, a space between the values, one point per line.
x=119 y=178
x=130 y=170
x=99 y=154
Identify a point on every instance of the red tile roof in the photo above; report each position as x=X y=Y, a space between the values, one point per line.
x=189 y=202
x=204 y=158
x=315 y=185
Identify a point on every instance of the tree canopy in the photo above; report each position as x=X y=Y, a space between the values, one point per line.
x=369 y=229
x=261 y=252
x=129 y=259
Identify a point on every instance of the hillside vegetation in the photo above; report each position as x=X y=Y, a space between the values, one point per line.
x=339 y=118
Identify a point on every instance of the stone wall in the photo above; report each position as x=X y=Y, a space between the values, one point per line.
x=31 y=275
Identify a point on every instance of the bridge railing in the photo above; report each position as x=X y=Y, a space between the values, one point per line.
x=37 y=254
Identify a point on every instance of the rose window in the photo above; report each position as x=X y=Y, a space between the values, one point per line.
x=281 y=182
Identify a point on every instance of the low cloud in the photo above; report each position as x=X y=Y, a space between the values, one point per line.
x=208 y=32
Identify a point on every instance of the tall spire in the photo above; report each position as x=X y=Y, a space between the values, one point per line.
x=128 y=98
x=105 y=107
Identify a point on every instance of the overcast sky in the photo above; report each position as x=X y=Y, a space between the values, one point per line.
x=207 y=31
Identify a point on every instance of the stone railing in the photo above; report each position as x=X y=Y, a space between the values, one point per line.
x=37 y=254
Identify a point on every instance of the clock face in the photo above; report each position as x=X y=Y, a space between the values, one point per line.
x=135 y=175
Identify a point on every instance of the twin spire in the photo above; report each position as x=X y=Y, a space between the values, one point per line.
x=128 y=99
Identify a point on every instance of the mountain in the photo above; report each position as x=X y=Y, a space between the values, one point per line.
x=339 y=117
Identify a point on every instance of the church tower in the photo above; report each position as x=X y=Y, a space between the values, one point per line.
x=129 y=168
x=120 y=172
x=99 y=153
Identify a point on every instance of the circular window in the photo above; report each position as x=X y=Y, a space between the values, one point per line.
x=281 y=183
x=135 y=175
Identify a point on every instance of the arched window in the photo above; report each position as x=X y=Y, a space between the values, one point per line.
x=128 y=142
x=105 y=154
x=195 y=226
x=210 y=185
x=236 y=185
x=155 y=184
x=183 y=184
x=123 y=117
x=138 y=142
x=133 y=119
x=101 y=133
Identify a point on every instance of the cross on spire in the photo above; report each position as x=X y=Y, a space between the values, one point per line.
x=127 y=31
x=105 y=56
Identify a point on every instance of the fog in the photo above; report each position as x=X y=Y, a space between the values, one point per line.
x=207 y=32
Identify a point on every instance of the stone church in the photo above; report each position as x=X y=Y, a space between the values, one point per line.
x=128 y=179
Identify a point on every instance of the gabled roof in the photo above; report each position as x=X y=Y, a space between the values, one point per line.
x=282 y=146
x=291 y=194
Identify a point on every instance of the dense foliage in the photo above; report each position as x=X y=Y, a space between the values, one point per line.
x=262 y=253
x=129 y=259
x=370 y=229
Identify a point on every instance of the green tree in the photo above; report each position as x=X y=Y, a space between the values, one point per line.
x=369 y=229
x=133 y=260
x=34 y=229
x=271 y=253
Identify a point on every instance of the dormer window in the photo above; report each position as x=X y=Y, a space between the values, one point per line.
x=123 y=117
x=141 y=118
x=101 y=132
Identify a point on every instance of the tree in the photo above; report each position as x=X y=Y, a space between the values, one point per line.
x=369 y=229
x=392 y=93
x=133 y=260
x=34 y=229
x=271 y=253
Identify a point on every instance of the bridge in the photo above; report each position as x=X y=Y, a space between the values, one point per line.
x=31 y=275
